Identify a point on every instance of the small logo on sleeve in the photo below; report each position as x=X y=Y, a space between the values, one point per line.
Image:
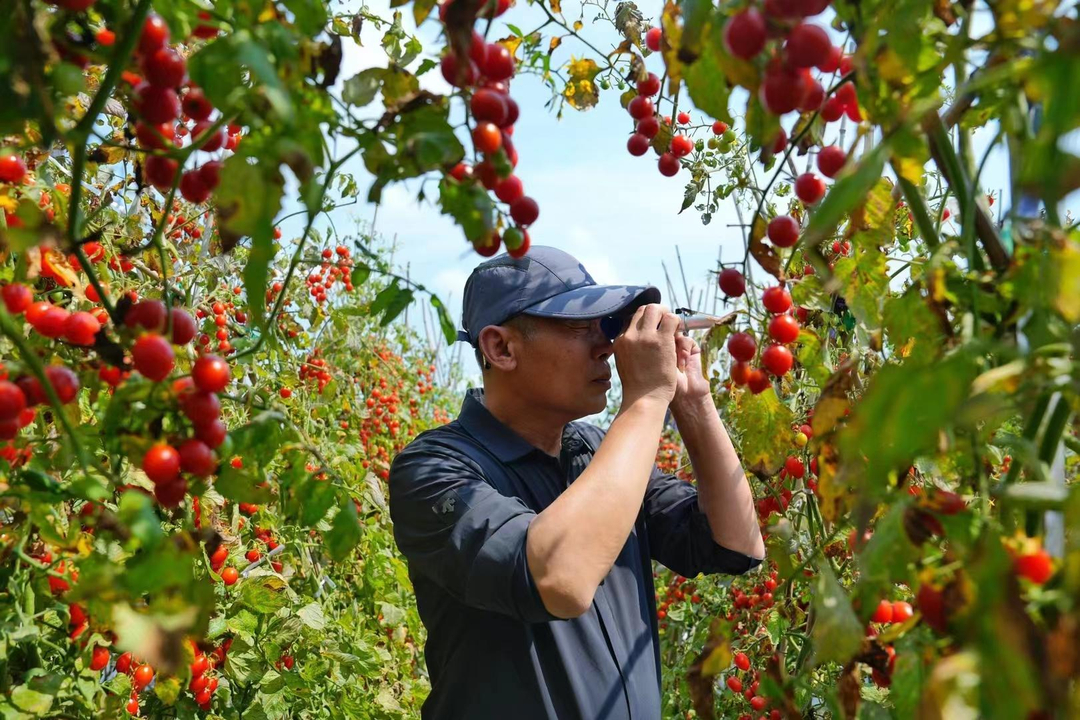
x=445 y=505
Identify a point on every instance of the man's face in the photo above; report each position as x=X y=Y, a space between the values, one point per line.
x=564 y=366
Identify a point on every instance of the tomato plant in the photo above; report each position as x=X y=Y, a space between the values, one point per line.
x=198 y=410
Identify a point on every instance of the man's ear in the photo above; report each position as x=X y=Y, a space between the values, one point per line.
x=494 y=343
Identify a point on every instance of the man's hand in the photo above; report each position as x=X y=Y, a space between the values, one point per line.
x=692 y=387
x=646 y=357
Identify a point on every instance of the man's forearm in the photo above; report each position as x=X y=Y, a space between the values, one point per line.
x=723 y=490
x=574 y=542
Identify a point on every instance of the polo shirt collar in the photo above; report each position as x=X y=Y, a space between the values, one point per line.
x=506 y=444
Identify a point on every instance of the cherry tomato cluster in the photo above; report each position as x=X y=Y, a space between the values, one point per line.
x=203 y=685
x=484 y=75
x=330 y=272
x=744 y=681
x=751 y=602
x=220 y=311
x=669 y=457
x=679 y=590
x=316 y=368
x=776 y=358
x=168 y=466
x=156 y=99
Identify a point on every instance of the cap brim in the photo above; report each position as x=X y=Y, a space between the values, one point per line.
x=594 y=301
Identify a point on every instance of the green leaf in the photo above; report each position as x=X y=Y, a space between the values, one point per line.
x=264 y=594
x=345 y=533
x=910 y=672
x=31 y=701
x=316 y=497
x=34 y=229
x=244 y=665
x=705 y=79
x=136 y=512
x=256 y=58
x=359 y=275
x=421 y=9
x=908 y=319
x=395 y=306
x=259 y=440
x=257 y=268
x=808 y=292
x=445 y=323
x=309 y=15
x=844 y=196
x=243 y=622
x=761 y=125
x=425 y=141
x=167 y=689
x=756 y=418
x=398 y=84
x=901 y=413
x=361 y=89
x=312 y=616
x=153 y=571
x=470 y=205
x=1048 y=495
x=214 y=68
x=813 y=357
x=886 y=558
x=425 y=65
x=837 y=632
x=240 y=485
x=245 y=199
x=384 y=298
x=120 y=684
x=865 y=284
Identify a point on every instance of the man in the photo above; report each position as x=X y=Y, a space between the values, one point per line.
x=529 y=536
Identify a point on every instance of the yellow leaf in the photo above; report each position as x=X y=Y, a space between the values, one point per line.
x=892 y=68
x=555 y=42
x=909 y=169
x=580 y=91
x=832 y=491
x=718 y=660
x=511 y=43
x=1066 y=264
x=110 y=155
x=827 y=411
x=1005 y=378
x=757 y=418
x=556 y=6
x=672 y=38
x=268 y=14
x=578 y=25
x=624 y=47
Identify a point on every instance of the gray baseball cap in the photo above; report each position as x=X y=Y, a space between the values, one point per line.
x=546 y=282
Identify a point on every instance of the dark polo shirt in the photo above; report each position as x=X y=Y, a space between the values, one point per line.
x=461 y=498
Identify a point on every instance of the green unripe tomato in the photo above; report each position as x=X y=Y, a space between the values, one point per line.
x=712 y=143
x=699 y=145
x=604 y=84
x=512 y=238
x=729 y=136
x=725 y=147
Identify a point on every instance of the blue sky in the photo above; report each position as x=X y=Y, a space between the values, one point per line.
x=614 y=212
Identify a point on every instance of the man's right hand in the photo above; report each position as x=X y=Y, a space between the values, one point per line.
x=645 y=355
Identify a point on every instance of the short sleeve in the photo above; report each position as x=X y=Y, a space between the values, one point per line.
x=459 y=531
x=680 y=537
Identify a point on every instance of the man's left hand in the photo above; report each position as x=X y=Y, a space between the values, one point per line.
x=693 y=386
